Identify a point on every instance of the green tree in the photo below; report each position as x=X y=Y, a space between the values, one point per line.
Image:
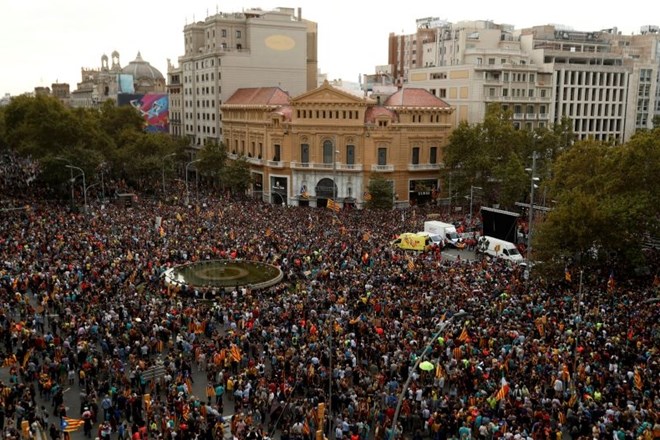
x=480 y=155
x=236 y=176
x=381 y=192
x=607 y=203
x=213 y=161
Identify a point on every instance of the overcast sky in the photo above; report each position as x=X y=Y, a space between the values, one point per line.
x=47 y=41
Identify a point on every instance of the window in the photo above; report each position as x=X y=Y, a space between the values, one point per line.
x=350 y=154
x=327 y=152
x=491 y=61
x=238 y=34
x=505 y=77
x=505 y=92
x=304 y=153
x=491 y=92
x=531 y=77
x=415 y=155
x=277 y=156
x=480 y=61
x=224 y=33
x=442 y=93
x=433 y=158
x=239 y=47
x=382 y=156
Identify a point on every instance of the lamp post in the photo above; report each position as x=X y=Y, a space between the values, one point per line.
x=187 y=192
x=71 y=178
x=531 y=205
x=334 y=171
x=82 y=172
x=163 y=169
x=420 y=358
x=472 y=188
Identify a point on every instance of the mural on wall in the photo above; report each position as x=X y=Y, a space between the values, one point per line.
x=154 y=108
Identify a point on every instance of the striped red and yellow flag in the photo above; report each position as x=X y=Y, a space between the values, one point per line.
x=235 y=353
x=464 y=336
x=333 y=205
x=71 y=425
x=639 y=383
x=411 y=264
x=573 y=400
x=562 y=418
x=501 y=394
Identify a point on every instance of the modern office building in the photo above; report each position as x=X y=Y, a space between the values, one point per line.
x=328 y=143
x=604 y=82
x=229 y=51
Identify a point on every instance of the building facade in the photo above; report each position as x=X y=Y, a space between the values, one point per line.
x=98 y=85
x=604 y=82
x=229 y=51
x=328 y=143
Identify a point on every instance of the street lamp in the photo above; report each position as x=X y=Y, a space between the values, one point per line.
x=82 y=172
x=334 y=172
x=71 y=179
x=187 y=165
x=163 y=169
x=420 y=358
x=472 y=188
x=531 y=204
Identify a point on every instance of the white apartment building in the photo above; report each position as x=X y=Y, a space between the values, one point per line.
x=229 y=51
x=606 y=83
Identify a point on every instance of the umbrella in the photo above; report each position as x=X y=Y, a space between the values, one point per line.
x=427 y=366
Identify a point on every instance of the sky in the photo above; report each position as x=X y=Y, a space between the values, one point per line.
x=48 y=41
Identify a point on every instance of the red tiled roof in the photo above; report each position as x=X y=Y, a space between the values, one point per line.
x=378 y=111
x=414 y=97
x=258 y=96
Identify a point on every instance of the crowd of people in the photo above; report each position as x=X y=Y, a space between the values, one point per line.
x=330 y=350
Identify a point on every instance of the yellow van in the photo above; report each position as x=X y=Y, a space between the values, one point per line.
x=413 y=242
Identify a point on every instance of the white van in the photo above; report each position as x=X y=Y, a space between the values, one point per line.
x=445 y=230
x=499 y=249
x=435 y=239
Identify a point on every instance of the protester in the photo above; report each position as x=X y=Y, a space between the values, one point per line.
x=84 y=300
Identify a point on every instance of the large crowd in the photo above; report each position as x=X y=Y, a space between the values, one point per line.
x=328 y=349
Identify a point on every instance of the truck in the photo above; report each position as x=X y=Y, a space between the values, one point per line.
x=412 y=242
x=498 y=248
x=445 y=230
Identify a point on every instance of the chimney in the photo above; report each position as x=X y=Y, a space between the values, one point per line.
x=299 y=14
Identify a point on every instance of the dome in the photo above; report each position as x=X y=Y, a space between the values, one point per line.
x=142 y=69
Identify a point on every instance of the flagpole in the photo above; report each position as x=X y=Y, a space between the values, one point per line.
x=420 y=358
x=579 y=301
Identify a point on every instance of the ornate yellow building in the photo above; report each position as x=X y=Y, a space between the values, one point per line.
x=327 y=143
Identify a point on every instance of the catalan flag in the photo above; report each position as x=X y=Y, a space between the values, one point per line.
x=573 y=400
x=464 y=336
x=365 y=236
x=235 y=353
x=268 y=232
x=69 y=425
x=503 y=391
x=610 y=282
x=333 y=205
x=439 y=371
x=567 y=275
x=411 y=264
x=562 y=418
x=639 y=383
x=367 y=196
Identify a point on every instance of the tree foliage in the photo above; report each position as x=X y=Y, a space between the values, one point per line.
x=381 y=192
x=236 y=176
x=607 y=203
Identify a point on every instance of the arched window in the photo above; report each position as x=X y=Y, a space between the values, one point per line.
x=327 y=151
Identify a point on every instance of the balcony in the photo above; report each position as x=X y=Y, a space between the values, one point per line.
x=423 y=166
x=326 y=166
x=518 y=116
x=255 y=161
x=530 y=116
x=544 y=116
x=275 y=163
x=382 y=168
